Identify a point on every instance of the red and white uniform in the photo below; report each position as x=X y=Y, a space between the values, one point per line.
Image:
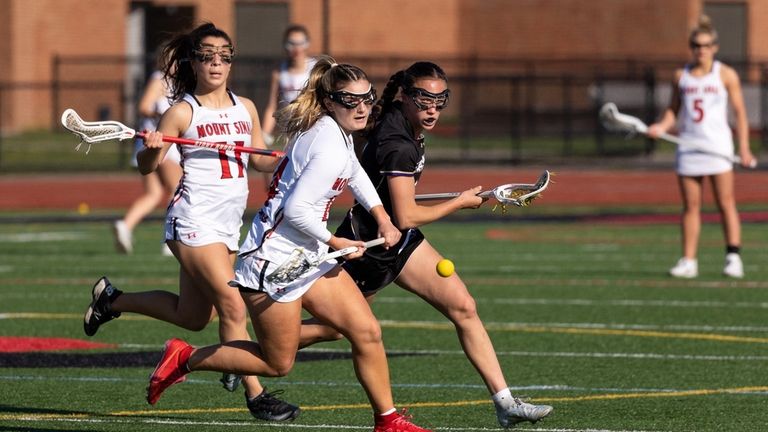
x=289 y=85
x=703 y=119
x=319 y=163
x=209 y=203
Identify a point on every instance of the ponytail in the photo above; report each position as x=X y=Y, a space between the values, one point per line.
x=325 y=77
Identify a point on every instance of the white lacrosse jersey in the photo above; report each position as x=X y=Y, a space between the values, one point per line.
x=703 y=119
x=213 y=189
x=289 y=85
x=318 y=165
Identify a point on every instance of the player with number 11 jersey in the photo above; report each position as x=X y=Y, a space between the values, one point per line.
x=211 y=198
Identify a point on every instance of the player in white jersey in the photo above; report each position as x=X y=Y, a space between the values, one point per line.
x=205 y=215
x=158 y=185
x=320 y=162
x=699 y=105
x=289 y=78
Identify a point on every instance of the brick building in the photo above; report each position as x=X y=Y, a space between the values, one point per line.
x=90 y=44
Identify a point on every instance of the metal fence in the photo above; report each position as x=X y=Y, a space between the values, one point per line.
x=502 y=110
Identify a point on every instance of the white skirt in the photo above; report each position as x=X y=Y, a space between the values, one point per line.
x=250 y=275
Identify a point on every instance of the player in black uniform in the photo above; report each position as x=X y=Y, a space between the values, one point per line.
x=394 y=158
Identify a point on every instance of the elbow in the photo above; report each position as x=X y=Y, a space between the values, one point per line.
x=403 y=223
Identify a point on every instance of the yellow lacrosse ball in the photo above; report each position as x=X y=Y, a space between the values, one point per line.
x=445 y=267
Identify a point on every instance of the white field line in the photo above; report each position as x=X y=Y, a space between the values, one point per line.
x=593 y=302
x=355 y=384
x=489 y=324
x=250 y=425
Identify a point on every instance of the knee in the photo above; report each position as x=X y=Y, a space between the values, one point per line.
x=196 y=324
x=232 y=312
x=280 y=367
x=462 y=310
x=369 y=332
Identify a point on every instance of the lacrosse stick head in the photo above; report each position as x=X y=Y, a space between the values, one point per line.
x=92 y=132
x=615 y=121
x=521 y=195
x=292 y=268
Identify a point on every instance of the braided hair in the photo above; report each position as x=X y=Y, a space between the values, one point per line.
x=403 y=80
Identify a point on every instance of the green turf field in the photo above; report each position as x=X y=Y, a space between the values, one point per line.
x=582 y=315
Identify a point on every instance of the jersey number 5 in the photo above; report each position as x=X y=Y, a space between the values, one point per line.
x=698 y=111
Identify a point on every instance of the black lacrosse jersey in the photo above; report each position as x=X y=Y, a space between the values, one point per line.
x=391 y=150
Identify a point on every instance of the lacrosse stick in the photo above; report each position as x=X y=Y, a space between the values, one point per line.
x=299 y=262
x=520 y=194
x=613 y=120
x=93 y=132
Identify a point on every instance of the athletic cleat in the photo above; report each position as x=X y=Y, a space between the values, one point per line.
x=733 y=266
x=267 y=407
x=171 y=369
x=123 y=237
x=100 y=310
x=397 y=422
x=230 y=381
x=521 y=411
x=685 y=268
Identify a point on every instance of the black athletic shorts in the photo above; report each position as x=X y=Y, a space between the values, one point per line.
x=378 y=267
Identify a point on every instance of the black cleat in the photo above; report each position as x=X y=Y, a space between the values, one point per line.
x=267 y=407
x=230 y=381
x=100 y=309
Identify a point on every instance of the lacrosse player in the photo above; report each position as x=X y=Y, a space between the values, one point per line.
x=394 y=159
x=699 y=106
x=159 y=184
x=320 y=162
x=205 y=214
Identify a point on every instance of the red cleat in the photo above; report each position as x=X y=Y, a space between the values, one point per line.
x=396 y=422
x=171 y=369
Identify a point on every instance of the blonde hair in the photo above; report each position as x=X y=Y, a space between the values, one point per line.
x=704 y=26
x=325 y=77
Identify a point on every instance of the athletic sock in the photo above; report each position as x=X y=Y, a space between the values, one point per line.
x=503 y=398
x=732 y=249
x=386 y=416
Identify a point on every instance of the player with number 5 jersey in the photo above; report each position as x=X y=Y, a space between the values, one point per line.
x=204 y=217
x=701 y=92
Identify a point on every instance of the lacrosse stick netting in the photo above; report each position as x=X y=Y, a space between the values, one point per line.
x=299 y=262
x=91 y=132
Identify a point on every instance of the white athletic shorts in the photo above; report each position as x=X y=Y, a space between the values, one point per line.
x=192 y=234
x=695 y=164
x=250 y=275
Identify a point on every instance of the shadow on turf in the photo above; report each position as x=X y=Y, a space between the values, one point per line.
x=131 y=359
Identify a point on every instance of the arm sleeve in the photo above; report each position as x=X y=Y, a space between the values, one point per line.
x=362 y=188
x=310 y=191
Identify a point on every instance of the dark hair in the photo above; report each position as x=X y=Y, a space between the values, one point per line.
x=295 y=28
x=403 y=80
x=177 y=58
x=325 y=77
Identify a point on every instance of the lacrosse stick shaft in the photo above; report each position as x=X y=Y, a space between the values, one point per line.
x=676 y=140
x=352 y=249
x=217 y=146
x=449 y=195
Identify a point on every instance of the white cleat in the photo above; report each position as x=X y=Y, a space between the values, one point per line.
x=685 y=268
x=123 y=237
x=733 y=266
x=521 y=411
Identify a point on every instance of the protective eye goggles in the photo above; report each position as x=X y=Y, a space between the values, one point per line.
x=424 y=100
x=206 y=52
x=352 y=100
x=289 y=44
